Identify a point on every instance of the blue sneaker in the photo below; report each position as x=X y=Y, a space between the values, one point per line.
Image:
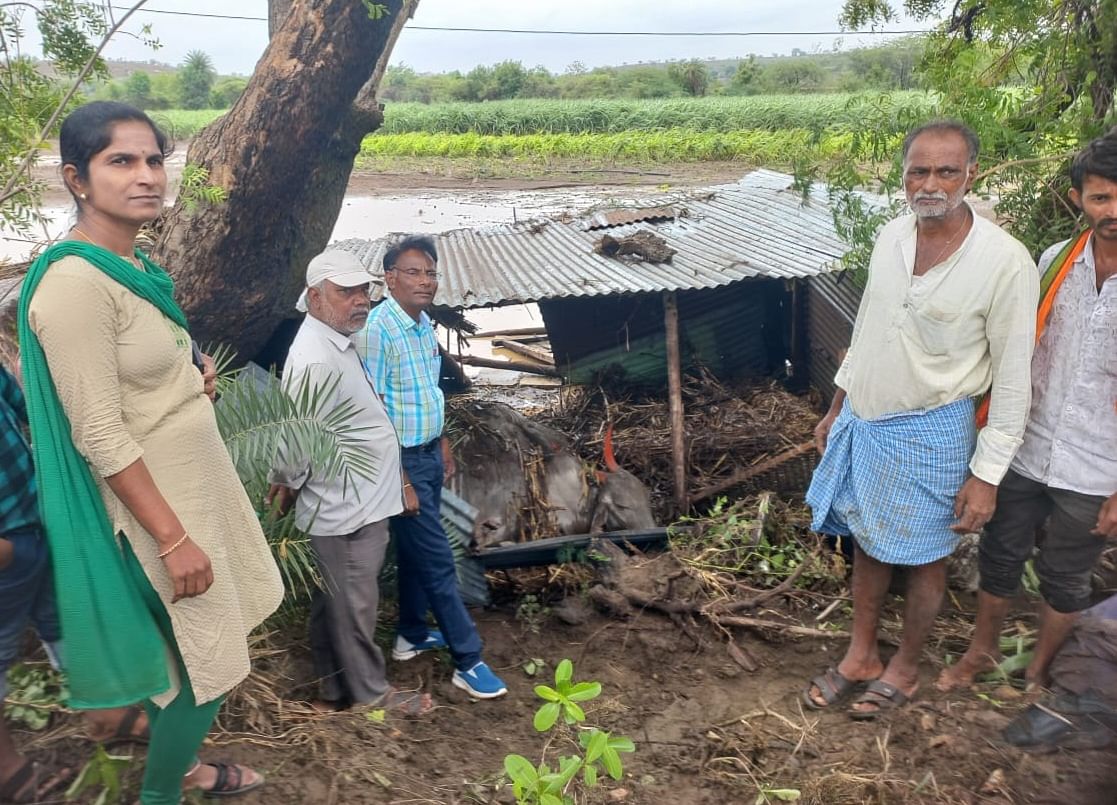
x=480 y=682
x=405 y=650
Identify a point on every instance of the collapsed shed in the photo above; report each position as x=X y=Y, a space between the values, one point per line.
x=742 y=253
x=717 y=279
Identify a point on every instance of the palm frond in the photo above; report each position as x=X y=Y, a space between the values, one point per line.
x=293 y=553
x=263 y=425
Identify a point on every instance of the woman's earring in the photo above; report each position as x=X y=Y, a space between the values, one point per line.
x=82 y=196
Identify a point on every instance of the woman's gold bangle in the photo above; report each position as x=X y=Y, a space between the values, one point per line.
x=174 y=547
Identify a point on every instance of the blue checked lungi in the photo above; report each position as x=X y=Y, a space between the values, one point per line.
x=891 y=482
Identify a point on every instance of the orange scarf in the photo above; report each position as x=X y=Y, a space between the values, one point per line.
x=1048 y=287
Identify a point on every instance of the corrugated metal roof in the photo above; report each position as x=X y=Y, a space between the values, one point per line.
x=756 y=227
x=607 y=218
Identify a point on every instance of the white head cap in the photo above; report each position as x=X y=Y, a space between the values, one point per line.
x=339 y=267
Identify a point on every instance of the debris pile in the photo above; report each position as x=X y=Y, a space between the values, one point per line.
x=643 y=245
x=731 y=431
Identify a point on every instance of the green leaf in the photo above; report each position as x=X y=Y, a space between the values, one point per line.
x=584 y=691
x=568 y=767
x=376 y=716
x=550 y=799
x=621 y=743
x=564 y=672
x=612 y=763
x=572 y=713
x=552 y=783
x=546 y=716
x=598 y=741
x=547 y=693
x=521 y=771
x=589 y=774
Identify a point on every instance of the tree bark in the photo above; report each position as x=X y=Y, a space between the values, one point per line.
x=283 y=154
x=277 y=13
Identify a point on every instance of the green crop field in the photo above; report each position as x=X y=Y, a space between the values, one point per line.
x=764 y=112
x=775 y=148
x=184 y=123
x=773 y=130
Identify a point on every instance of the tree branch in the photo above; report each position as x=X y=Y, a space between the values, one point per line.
x=1015 y=163
x=25 y=166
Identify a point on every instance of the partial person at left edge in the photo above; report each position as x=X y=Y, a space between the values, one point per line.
x=161 y=566
x=27 y=600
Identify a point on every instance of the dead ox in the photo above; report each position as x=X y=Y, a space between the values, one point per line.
x=527 y=483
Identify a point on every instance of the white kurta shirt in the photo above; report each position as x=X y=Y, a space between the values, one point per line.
x=327 y=506
x=1071 y=438
x=966 y=325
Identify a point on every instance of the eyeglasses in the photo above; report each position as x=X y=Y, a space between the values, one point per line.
x=415 y=273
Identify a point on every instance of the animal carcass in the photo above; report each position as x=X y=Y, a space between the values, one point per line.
x=527 y=482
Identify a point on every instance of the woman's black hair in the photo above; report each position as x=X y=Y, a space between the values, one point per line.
x=87 y=131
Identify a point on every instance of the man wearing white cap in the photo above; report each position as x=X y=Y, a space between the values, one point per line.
x=346 y=515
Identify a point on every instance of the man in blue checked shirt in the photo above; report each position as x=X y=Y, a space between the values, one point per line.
x=401 y=356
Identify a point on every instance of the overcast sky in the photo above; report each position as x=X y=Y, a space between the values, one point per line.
x=235 y=45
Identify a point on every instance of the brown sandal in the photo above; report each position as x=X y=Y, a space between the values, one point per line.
x=230 y=782
x=125 y=731
x=27 y=786
x=832 y=687
x=405 y=703
x=884 y=697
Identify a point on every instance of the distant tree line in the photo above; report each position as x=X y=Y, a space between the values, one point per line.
x=888 y=67
x=194 y=85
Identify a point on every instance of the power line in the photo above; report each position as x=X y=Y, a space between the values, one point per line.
x=540 y=32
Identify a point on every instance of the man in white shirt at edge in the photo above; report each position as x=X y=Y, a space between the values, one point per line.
x=948 y=313
x=1065 y=473
x=346 y=518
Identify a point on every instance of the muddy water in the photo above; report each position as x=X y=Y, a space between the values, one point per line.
x=373 y=216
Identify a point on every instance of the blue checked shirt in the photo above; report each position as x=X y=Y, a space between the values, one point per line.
x=18 y=499
x=402 y=360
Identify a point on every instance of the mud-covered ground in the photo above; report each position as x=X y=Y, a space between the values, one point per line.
x=707 y=731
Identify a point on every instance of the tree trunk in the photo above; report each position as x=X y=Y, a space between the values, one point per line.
x=277 y=13
x=283 y=154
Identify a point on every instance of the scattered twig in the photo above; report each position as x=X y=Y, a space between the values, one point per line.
x=776 y=626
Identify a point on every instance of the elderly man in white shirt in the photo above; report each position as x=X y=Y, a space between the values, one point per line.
x=346 y=515
x=1065 y=473
x=948 y=313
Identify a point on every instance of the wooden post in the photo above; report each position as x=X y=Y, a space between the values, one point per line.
x=675 y=400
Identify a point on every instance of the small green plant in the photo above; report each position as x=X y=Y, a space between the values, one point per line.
x=533 y=666
x=33 y=693
x=102 y=774
x=1031 y=579
x=375 y=10
x=595 y=749
x=758 y=538
x=196 y=190
x=768 y=795
x=531 y=612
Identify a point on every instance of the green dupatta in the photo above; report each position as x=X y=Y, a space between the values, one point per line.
x=114 y=654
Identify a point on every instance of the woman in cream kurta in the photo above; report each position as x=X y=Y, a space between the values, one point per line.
x=109 y=364
x=125 y=377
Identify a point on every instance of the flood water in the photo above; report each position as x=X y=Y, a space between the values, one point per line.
x=373 y=216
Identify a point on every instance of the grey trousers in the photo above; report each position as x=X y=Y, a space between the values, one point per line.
x=347 y=661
